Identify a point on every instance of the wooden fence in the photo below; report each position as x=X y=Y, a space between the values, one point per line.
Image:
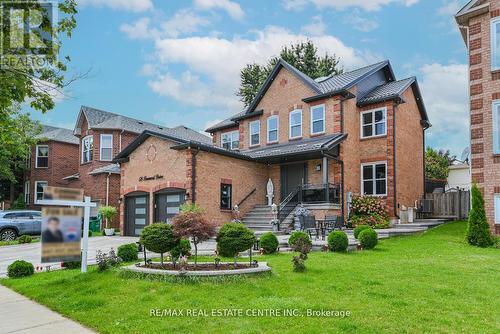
x=453 y=203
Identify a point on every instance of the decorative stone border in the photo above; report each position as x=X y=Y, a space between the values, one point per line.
x=261 y=267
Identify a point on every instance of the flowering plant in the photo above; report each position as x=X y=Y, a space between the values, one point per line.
x=368 y=210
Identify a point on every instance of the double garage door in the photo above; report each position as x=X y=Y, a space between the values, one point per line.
x=166 y=205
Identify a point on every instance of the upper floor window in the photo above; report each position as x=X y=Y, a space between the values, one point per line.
x=374 y=179
x=318 y=119
x=272 y=129
x=254 y=133
x=42 y=156
x=295 y=124
x=106 y=147
x=495 y=44
x=39 y=186
x=496 y=127
x=373 y=123
x=87 y=148
x=230 y=140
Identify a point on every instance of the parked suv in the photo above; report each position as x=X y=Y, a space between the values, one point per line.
x=16 y=223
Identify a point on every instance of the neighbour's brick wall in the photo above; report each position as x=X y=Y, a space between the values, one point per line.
x=485 y=165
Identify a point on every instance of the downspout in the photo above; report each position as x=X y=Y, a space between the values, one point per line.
x=193 y=175
x=394 y=158
x=107 y=189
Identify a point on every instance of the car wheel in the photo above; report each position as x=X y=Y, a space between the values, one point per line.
x=8 y=235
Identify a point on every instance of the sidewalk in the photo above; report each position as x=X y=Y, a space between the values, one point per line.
x=18 y=314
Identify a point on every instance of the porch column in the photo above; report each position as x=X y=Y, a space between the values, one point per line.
x=325 y=179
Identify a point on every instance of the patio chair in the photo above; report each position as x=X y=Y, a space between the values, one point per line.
x=333 y=223
x=308 y=225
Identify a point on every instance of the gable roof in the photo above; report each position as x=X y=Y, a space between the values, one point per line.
x=471 y=9
x=52 y=133
x=100 y=119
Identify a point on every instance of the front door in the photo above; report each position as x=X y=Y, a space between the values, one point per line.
x=136 y=214
x=292 y=176
x=167 y=205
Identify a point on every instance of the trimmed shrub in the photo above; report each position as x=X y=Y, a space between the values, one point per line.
x=20 y=268
x=269 y=243
x=478 y=230
x=295 y=235
x=360 y=228
x=72 y=264
x=368 y=238
x=303 y=245
x=25 y=239
x=128 y=252
x=182 y=249
x=159 y=238
x=234 y=238
x=338 y=241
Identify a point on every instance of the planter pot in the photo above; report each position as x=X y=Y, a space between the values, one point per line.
x=109 y=231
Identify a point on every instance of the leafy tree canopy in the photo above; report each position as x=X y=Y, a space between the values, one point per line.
x=303 y=56
x=437 y=163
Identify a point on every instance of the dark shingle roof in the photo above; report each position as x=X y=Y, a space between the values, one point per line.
x=58 y=134
x=111 y=168
x=227 y=123
x=386 y=91
x=100 y=119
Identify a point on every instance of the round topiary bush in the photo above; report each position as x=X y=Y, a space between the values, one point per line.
x=360 y=228
x=368 y=238
x=25 y=239
x=182 y=249
x=158 y=238
x=269 y=243
x=128 y=252
x=296 y=235
x=234 y=238
x=338 y=241
x=20 y=268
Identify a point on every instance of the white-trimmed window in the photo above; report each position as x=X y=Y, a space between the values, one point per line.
x=254 y=133
x=374 y=123
x=39 y=185
x=496 y=127
x=27 y=192
x=42 y=156
x=497 y=208
x=318 y=119
x=106 y=147
x=295 y=121
x=230 y=140
x=87 y=148
x=374 y=179
x=272 y=129
x=495 y=44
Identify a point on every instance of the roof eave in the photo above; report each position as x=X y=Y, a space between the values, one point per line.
x=342 y=92
x=211 y=149
x=246 y=116
x=465 y=15
x=222 y=127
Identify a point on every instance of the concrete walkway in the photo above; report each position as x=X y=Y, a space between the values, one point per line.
x=18 y=314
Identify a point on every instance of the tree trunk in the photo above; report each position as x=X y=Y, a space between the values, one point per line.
x=235 y=259
x=195 y=252
x=161 y=258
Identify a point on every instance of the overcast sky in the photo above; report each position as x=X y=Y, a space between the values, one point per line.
x=178 y=62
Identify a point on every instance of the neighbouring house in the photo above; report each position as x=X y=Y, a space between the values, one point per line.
x=479 y=23
x=312 y=141
x=49 y=162
x=458 y=176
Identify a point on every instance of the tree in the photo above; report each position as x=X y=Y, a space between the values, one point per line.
x=192 y=223
x=478 y=230
x=159 y=238
x=21 y=82
x=437 y=163
x=108 y=212
x=234 y=238
x=303 y=56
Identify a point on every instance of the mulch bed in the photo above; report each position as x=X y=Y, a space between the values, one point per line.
x=200 y=266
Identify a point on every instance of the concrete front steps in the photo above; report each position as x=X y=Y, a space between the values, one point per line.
x=259 y=220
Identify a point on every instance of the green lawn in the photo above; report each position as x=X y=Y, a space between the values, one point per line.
x=431 y=283
x=16 y=242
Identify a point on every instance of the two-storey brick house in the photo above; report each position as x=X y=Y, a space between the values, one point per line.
x=479 y=23
x=49 y=162
x=361 y=132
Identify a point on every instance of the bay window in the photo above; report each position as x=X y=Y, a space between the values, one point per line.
x=272 y=129
x=254 y=133
x=318 y=119
x=374 y=179
x=295 y=130
x=373 y=123
x=87 y=149
x=230 y=140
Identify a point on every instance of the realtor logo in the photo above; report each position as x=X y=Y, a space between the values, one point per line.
x=27 y=34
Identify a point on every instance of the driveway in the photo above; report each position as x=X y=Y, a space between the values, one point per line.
x=32 y=252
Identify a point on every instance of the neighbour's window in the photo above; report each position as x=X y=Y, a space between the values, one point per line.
x=496 y=127
x=231 y=140
x=272 y=129
x=87 y=148
x=225 y=196
x=495 y=44
x=374 y=179
x=318 y=119
x=42 y=156
x=254 y=133
x=27 y=192
x=497 y=208
x=39 y=185
x=296 y=124
x=373 y=123
x=106 y=147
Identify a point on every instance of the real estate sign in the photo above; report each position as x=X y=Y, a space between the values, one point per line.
x=61 y=234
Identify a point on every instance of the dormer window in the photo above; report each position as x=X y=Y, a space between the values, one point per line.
x=230 y=140
x=87 y=149
x=373 y=123
x=495 y=44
